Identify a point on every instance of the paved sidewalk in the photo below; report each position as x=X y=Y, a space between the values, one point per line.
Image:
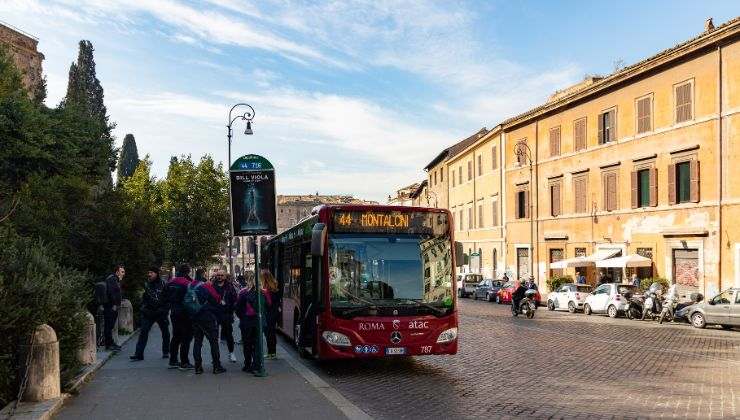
x=147 y=389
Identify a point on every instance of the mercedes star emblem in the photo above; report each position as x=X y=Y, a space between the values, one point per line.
x=395 y=337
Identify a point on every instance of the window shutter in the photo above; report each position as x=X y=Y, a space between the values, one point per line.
x=606 y=192
x=612 y=125
x=494 y=213
x=601 y=128
x=633 y=177
x=580 y=134
x=526 y=204
x=494 y=161
x=556 y=194
x=653 y=187
x=672 y=183
x=694 y=166
x=580 y=187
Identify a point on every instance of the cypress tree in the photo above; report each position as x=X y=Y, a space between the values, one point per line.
x=129 y=159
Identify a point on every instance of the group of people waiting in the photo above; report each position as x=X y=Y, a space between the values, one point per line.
x=201 y=308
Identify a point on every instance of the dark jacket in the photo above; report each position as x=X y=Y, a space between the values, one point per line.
x=113 y=290
x=228 y=295
x=174 y=294
x=153 y=305
x=211 y=301
x=246 y=308
x=518 y=294
x=273 y=304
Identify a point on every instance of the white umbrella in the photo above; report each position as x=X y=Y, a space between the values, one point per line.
x=632 y=260
x=571 y=262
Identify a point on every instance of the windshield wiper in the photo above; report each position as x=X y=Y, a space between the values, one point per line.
x=352 y=311
x=418 y=302
x=359 y=299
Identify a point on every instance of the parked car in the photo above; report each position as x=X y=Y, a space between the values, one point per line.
x=468 y=284
x=609 y=298
x=723 y=309
x=569 y=296
x=504 y=295
x=487 y=289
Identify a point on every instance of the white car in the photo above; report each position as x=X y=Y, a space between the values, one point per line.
x=609 y=298
x=466 y=286
x=569 y=296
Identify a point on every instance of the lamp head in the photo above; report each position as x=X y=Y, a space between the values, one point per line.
x=248 y=131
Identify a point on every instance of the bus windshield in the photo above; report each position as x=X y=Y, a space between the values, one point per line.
x=381 y=270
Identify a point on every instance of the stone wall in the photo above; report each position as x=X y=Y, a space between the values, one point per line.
x=23 y=49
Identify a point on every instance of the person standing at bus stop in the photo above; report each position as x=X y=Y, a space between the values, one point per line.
x=224 y=285
x=246 y=310
x=182 y=326
x=153 y=310
x=205 y=323
x=111 y=306
x=271 y=314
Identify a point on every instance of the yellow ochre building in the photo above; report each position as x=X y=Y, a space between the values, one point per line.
x=632 y=172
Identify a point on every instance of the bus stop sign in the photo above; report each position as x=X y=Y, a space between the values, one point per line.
x=253 y=196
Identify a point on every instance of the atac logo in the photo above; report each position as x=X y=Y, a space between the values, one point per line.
x=396 y=324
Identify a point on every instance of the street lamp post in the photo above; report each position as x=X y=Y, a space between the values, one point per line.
x=435 y=197
x=524 y=153
x=247 y=116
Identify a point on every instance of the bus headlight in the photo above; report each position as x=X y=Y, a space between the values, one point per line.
x=336 y=339
x=447 y=335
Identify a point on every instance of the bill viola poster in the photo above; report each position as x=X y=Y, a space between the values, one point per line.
x=253 y=196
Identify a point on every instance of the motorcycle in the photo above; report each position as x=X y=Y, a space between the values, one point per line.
x=671 y=305
x=635 y=305
x=652 y=306
x=526 y=306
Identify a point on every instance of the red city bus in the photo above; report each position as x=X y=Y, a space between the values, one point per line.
x=367 y=281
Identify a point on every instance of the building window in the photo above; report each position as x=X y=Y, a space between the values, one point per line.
x=555 y=141
x=522 y=204
x=608 y=126
x=579 y=134
x=494 y=161
x=519 y=151
x=435 y=177
x=610 y=191
x=684 y=101
x=453 y=178
x=495 y=262
x=494 y=213
x=470 y=170
x=480 y=165
x=441 y=174
x=644 y=114
x=686 y=267
x=645 y=272
x=470 y=218
x=522 y=263
x=459 y=220
x=459 y=175
x=555 y=199
x=580 y=252
x=556 y=254
x=643 y=188
x=580 y=189
x=683 y=182
x=481 y=222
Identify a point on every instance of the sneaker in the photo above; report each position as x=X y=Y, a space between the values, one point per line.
x=166 y=356
x=232 y=358
x=135 y=358
x=173 y=366
x=218 y=369
x=271 y=356
x=114 y=347
x=186 y=366
x=198 y=370
x=248 y=370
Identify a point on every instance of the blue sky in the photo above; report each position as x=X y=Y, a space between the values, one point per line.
x=351 y=97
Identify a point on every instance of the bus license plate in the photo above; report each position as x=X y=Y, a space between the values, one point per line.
x=393 y=351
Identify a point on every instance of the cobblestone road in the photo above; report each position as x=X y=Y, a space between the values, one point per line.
x=557 y=365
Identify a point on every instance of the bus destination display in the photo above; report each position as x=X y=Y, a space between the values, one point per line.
x=390 y=222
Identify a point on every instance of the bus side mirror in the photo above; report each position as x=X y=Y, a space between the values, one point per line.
x=459 y=254
x=318 y=238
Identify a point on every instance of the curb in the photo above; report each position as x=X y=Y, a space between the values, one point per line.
x=45 y=410
x=350 y=410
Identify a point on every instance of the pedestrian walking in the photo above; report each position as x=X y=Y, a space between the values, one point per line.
x=580 y=278
x=272 y=299
x=205 y=323
x=153 y=311
x=182 y=326
x=246 y=310
x=111 y=306
x=225 y=287
x=635 y=280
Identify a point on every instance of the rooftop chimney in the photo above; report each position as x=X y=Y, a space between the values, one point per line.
x=708 y=25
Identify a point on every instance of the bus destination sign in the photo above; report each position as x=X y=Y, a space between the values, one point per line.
x=390 y=222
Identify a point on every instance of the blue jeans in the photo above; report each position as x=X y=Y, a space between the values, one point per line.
x=146 y=326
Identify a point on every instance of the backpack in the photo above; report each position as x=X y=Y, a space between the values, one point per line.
x=101 y=293
x=191 y=302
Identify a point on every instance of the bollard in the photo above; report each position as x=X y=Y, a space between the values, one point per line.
x=88 y=352
x=43 y=382
x=126 y=317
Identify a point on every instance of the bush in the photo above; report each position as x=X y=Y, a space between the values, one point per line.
x=554 y=283
x=35 y=289
x=645 y=283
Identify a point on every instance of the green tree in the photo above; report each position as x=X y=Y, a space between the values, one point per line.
x=129 y=159
x=195 y=199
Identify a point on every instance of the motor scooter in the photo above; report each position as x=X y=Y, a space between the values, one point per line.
x=635 y=304
x=653 y=305
x=526 y=306
x=671 y=304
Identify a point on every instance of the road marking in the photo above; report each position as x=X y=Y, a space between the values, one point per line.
x=350 y=410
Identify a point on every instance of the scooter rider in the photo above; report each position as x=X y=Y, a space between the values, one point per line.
x=517 y=296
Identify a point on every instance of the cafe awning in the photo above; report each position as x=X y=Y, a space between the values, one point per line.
x=589 y=261
x=632 y=260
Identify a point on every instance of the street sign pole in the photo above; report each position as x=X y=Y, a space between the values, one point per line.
x=260 y=350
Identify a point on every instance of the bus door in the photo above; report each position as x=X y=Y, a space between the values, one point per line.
x=309 y=293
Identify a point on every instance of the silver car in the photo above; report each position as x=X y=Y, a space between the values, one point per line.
x=723 y=309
